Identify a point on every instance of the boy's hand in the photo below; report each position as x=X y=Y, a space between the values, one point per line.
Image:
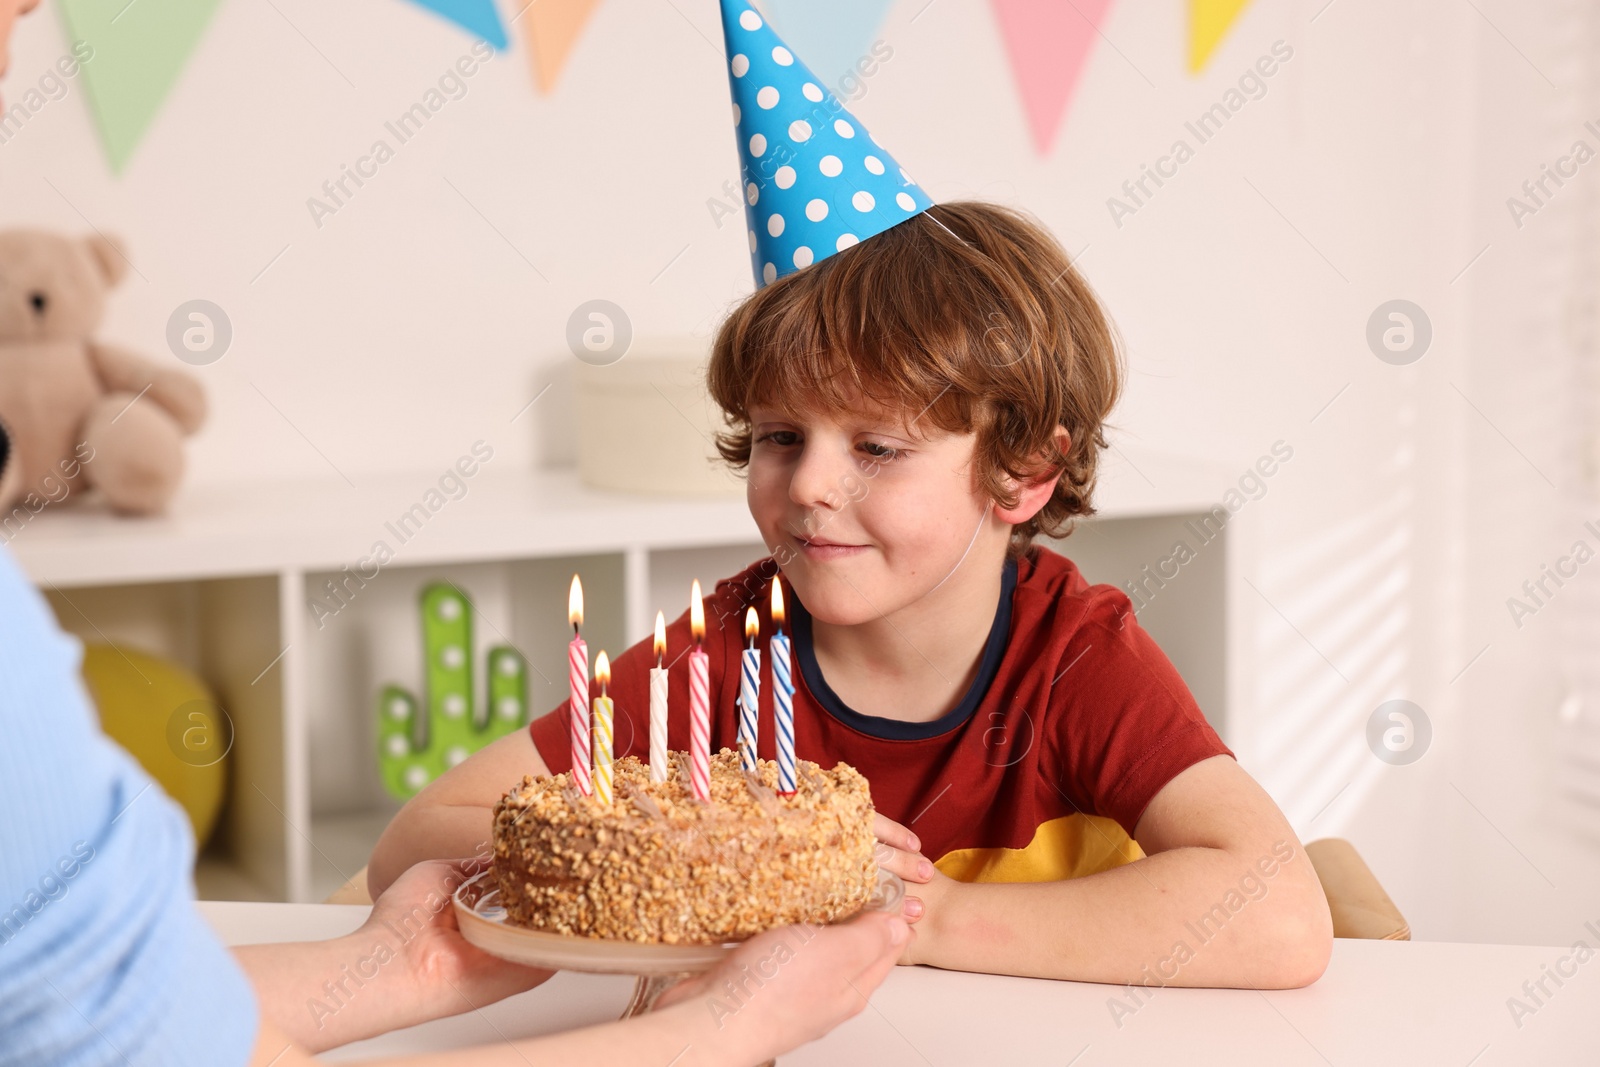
x=899 y=851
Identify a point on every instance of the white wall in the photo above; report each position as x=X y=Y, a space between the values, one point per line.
x=1529 y=861
x=424 y=314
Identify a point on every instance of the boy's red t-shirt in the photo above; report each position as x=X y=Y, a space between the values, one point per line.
x=1075 y=721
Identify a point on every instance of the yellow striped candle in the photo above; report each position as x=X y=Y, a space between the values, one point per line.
x=603 y=712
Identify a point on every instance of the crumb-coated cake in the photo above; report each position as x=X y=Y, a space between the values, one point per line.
x=659 y=866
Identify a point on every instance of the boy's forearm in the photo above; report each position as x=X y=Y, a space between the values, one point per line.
x=453 y=817
x=1180 y=917
x=428 y=832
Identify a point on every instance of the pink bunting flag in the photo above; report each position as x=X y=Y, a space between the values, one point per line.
x=1049 y=42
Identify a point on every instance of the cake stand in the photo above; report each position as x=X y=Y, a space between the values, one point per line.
x=657 y=967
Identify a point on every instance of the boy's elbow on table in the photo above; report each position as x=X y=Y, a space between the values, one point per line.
x=1305 y=944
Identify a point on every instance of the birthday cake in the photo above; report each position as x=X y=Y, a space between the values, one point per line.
x=658 y=866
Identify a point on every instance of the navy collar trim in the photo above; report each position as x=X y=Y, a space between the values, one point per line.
x=994 y=650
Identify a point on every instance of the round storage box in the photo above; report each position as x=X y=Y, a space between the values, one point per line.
x=646 y=424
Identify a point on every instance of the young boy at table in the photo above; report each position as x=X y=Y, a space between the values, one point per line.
x=916 y=392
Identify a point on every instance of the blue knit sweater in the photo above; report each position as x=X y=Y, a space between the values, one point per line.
x=103 y=958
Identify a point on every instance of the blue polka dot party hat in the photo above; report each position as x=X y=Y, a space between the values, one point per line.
x=815 y=181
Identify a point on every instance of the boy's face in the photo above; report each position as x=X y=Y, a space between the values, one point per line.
x=865 y=513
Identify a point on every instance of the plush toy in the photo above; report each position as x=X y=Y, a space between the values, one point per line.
x=80 y=414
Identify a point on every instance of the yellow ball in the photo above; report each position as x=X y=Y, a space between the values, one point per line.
x=169 y=721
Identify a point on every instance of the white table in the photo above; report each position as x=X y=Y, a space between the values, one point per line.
x=1412 y=1003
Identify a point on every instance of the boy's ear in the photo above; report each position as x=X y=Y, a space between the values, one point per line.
x=1033 y=496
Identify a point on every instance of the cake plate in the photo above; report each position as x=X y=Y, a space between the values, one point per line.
x=657 y=967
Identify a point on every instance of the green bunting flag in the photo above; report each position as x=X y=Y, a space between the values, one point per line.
x=140 y=49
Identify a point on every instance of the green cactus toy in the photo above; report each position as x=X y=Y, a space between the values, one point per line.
x=414 y=749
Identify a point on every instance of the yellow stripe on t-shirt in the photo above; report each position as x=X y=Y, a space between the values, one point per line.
x=1069 y=847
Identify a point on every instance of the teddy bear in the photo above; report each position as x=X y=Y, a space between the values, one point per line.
x=76 y=414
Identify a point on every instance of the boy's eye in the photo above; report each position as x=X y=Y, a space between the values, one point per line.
x=779 y=437
x=787 y=438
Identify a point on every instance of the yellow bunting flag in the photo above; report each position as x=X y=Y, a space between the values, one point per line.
x=553 y=28
x=1209 y=21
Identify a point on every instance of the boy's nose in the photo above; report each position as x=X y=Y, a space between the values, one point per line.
x=819 y=477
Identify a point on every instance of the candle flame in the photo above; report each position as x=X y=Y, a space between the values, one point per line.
x=575 y=603
x=777 y=602
x=697 y=614
x=751 y=626
x=661 y=636
x=602 y=672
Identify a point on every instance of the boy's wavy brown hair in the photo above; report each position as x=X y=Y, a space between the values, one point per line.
x=968 y=315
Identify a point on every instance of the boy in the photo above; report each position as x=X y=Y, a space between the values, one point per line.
x=911 y=411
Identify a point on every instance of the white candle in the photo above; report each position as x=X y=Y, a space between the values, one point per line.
x=658 y=705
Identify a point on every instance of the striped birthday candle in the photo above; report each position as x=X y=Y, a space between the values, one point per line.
x=749 y=694
x=782 y=696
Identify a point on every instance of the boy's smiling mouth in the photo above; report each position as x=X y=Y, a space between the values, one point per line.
x=820 y=548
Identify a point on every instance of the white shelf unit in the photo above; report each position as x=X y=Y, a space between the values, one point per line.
x=224 y=585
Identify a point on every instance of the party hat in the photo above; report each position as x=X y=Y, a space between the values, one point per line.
x=815 y=181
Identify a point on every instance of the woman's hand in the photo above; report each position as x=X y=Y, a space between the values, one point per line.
x=406 y=964
x=789 y=986
x=447 y=974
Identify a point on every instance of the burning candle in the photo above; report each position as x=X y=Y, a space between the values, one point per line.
x=699 y=701
x=603 y=712
x=782 y=695
x=749 y=693
x=578 y=691
x=658 y=705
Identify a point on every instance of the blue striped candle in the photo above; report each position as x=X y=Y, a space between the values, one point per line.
x=782 y=695
x=783 y=712
x=749 y=695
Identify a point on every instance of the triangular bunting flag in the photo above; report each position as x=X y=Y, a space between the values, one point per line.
x=553 y=28
x=139 y=51
x=835 y=36
x=477 y=17
x=1209 y=21
x=1049 y=43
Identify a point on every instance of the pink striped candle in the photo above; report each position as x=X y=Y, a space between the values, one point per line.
x=578 y=692
x=699 y=701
